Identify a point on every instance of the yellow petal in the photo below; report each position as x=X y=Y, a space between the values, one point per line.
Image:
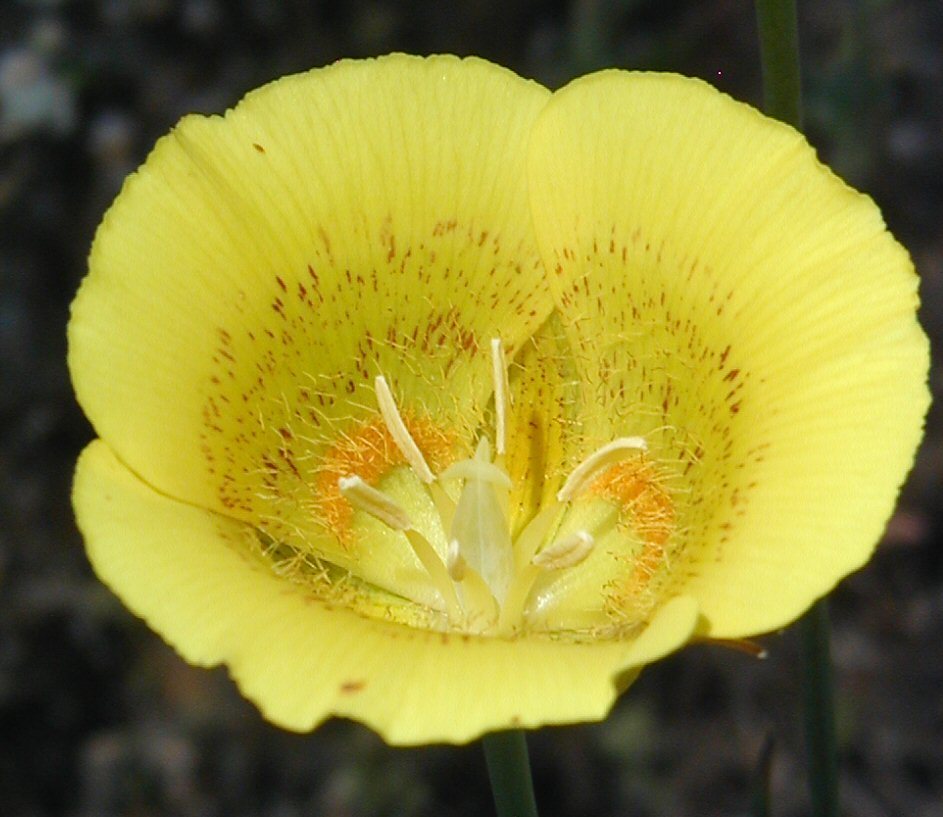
x=732 y=301
x=262 y=268
x=189 y=574
x=542 y=405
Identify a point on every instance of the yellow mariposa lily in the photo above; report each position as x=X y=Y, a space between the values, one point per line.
x=433 y=400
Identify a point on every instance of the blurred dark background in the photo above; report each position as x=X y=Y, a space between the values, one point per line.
x=99 y=717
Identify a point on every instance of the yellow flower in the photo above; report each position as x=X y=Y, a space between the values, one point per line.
x=433 y=400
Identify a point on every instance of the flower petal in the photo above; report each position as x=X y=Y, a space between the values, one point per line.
x=541 y=405
x=258 y=272
x=187 y=573
x=747 y=312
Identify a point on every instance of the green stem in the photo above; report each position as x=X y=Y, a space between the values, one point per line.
x=759 y=804
x=509 y=771
x=779 y=54
x=588 y=37
x=779 y=51
x=818 y=698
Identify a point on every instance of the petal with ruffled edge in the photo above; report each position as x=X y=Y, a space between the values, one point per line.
x=187 y=573
x=262 y=268
x=743 y=309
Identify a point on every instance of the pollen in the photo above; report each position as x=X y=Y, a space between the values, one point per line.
x=369 y=451
x=637 y=487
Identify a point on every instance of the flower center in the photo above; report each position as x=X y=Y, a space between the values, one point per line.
x=486 y=578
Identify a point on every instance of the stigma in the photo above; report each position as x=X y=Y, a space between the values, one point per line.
x=484 y=577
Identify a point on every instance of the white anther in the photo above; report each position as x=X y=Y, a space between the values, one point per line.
x=398 y=431
x=366 y=498
x=502 y=393
x=454 y=562
x=597 y=462
x=566 y=552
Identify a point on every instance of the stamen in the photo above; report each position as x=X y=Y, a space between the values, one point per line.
x=387 y=510
x=376 y=503
x=444 y=504
x=437 y=571
x=597 y=462
x=534 y=533
x=477 y=596
x=456 y=565
x=502 y=398
x=512 y=611
x=566 y=552
x=480 y=605
x=401 y=436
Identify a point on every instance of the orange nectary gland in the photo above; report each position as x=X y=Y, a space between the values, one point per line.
x=635 y=486
x=369 y=452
